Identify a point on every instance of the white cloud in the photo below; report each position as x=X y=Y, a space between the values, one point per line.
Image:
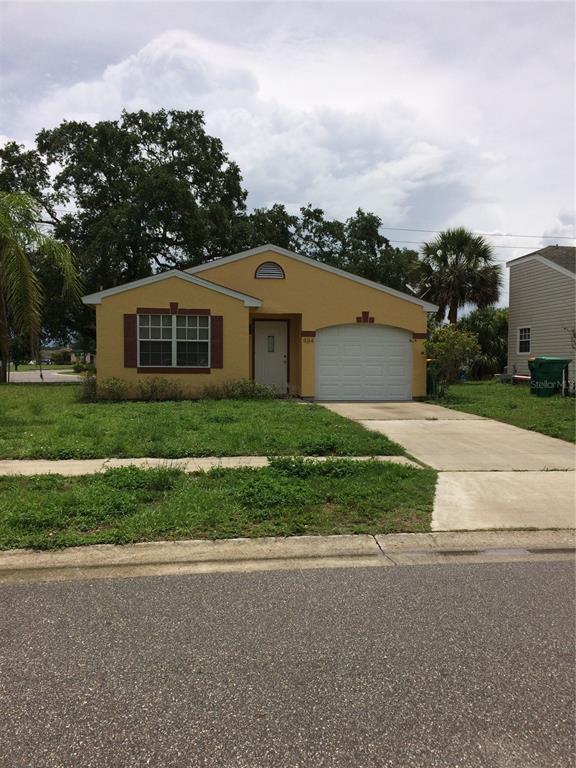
x=336 y=146
x=404 y=119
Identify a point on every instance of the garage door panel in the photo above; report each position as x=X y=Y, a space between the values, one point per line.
x=363 y=362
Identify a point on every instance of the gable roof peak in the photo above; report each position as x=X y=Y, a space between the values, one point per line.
x=562 y=257
x=270 y=247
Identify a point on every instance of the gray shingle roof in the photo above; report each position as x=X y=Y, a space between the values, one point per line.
x=561 y=255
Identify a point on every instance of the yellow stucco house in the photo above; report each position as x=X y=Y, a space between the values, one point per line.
x=280 y=318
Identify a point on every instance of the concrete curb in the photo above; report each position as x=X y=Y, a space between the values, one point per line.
x=295 y=553
x=76 y=467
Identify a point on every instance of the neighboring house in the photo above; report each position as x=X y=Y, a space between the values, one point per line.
x=285 y=320
x=542 y=310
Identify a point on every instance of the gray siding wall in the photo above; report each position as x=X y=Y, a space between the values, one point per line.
x=544 y=300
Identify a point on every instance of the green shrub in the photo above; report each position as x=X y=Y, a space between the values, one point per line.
x=450 y=350
x=88 y=392
x=238 y=389
x=136 y=478
x=321 y=446
x=113 y=389
x=157 y=388
x=84 y=368
x=296 y=466
x=266 y=493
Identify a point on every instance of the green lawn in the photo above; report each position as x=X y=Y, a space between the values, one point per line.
x=290 y=497
x=554 y=416
x=46 y=422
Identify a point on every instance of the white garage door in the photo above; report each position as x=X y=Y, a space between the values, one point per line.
x=363 y=362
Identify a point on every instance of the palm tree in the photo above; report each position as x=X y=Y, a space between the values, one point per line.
x=22 y=244
x=458 y=268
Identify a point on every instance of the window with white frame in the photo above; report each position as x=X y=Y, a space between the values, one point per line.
x=174 y=341
x=523 y=340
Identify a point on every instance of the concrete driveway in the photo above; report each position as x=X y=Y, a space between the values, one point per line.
x=492 y=475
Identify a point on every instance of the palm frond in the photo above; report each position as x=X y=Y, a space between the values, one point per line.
x=21 y=238
x=62 y=258
x=20 y=287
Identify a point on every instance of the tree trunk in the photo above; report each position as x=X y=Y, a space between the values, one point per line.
x=4 y=342
x=441 y=313
x=453 y=314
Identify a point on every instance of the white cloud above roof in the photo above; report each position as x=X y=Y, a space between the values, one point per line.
x=430 y=114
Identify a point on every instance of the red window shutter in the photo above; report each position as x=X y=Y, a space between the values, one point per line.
x=216 y=342
x=130 y=341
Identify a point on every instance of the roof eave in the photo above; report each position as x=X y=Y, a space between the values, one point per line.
x=93 y=299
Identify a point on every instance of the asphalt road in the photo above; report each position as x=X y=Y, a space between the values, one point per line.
x=452 y=666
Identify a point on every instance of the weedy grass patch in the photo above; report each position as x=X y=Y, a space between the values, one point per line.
x=289 y=497
x=513 y=404
x=47 y=422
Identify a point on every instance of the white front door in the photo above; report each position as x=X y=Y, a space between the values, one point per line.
x=271 y=353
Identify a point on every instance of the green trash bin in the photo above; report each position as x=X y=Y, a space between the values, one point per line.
x=547 y=375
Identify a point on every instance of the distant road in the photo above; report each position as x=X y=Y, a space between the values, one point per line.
x=412 y=667
x=50 y=377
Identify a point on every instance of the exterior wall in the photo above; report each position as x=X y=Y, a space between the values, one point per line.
x=322 y=299
x=543 y=299
x=110 y=332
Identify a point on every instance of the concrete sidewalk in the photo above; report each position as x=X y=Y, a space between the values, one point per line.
x=293 y=553
x=76 y=467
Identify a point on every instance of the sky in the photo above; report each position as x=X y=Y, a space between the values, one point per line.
x=430 y=114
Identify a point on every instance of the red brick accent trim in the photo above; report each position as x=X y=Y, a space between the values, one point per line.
x=307 y=334
x=419 y=335
x=171 y=369
x=365 y=318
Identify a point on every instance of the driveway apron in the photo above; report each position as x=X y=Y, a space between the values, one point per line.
x=492 y=475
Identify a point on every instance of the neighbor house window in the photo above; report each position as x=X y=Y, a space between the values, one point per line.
x=523 y=340
x=269 y=270
x=174 y=341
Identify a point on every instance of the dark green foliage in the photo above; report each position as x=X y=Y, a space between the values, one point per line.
x=131 y=504
x=458 y=268
x=491 y=327
x=153 y=191
x=87 y=392
x=61 y=356
x=149 y=191
x=157 y=389
x=451 y=351
x=113 y=389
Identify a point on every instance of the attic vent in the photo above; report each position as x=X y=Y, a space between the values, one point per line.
x=269 y=270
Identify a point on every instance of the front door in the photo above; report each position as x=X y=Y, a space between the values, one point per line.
x=271 y=353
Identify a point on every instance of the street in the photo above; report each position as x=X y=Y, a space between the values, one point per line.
x=427 y=666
